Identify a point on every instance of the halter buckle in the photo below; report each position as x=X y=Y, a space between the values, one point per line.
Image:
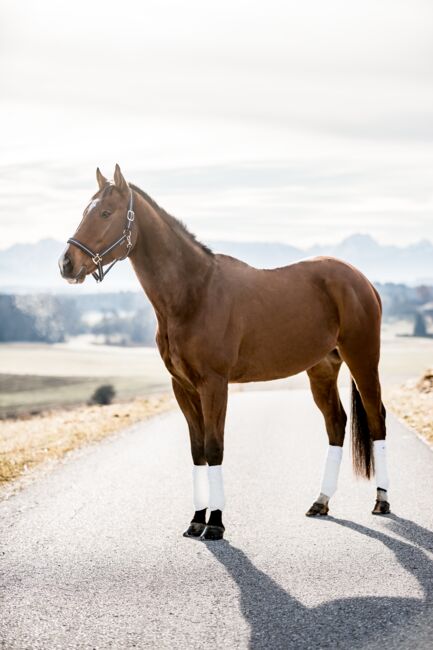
x=130 y=215
x=97 y=259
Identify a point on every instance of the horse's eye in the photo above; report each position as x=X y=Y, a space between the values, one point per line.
x=105 y=214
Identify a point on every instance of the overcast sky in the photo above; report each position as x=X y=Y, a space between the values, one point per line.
x=300 y=122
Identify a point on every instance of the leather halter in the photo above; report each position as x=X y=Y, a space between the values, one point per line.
x=98 y=258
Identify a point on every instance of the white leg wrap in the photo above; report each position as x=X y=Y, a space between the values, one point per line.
x=380 y=466
x=216 y=488
x=331 y=470
x=200 y=485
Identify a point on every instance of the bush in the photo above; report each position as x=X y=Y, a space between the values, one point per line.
x=103 y=394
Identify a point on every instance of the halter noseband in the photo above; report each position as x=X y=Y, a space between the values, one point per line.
x=98 y=258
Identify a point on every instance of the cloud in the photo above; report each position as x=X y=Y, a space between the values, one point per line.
x=318 y=113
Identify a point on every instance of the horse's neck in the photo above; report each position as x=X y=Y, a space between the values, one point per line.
x=170 y=267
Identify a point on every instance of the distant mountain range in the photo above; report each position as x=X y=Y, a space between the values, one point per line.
x=34 y=266
x=411 y=264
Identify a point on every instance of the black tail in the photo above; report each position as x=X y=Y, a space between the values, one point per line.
x=361 y=440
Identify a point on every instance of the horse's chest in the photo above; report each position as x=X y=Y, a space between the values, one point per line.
x=170 y=349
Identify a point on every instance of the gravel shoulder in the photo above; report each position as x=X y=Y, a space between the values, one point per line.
x=412 y=403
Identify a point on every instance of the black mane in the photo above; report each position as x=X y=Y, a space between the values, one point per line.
x=174 y=223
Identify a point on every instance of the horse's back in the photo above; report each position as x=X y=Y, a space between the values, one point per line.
x=287 y=319
x=328 y=275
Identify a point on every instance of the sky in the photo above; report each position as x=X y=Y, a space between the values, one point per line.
x=298 y=122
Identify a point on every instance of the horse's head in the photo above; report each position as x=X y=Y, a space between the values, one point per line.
x=104 y=235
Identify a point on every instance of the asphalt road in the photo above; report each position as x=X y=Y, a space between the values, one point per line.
x=92 y=554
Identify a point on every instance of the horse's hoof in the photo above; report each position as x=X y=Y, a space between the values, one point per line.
x=194 y=529
x=317 y=509
x=212 y=533
x=381 y=508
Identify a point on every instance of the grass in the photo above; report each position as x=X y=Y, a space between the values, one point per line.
x=413 y=403
x=32 y=394
x=27 y=443
x=38 y=377
x=29 y=394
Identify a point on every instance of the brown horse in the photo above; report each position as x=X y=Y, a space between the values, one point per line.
x=221 y=320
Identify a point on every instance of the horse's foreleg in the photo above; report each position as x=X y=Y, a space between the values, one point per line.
x=190 y=404
x=213 y=395
x=323 y=381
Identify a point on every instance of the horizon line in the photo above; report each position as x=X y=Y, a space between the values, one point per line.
x=422 y=240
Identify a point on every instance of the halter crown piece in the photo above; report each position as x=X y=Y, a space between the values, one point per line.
x=98 y=258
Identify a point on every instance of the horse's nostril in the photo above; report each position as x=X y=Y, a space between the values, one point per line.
x=65 y=264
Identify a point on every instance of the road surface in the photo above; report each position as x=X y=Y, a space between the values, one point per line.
x=92 y=554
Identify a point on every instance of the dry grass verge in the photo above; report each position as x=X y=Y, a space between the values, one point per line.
x=28 y=442
x=413 y=403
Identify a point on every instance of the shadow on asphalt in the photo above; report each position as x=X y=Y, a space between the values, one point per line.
x=278 y=620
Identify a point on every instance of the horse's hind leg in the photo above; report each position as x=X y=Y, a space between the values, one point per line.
x=368 y=419
x=323 y=382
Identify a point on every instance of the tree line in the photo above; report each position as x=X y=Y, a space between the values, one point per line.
x=127 y=318
x=124 y=318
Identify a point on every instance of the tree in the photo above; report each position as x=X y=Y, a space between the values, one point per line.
x=420 y=326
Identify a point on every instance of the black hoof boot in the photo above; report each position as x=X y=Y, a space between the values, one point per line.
x=197 y=525
x=317 y=509
x=194 y=530
x=381 y=508
x=215 y=528
x=212 y=533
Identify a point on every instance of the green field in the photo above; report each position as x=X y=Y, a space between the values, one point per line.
x=36 y=377
x=30 y=394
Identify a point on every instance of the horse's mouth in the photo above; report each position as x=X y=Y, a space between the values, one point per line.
x=79 y=278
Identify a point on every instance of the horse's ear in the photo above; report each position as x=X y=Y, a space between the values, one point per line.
x=102 y=181
x=119 y=180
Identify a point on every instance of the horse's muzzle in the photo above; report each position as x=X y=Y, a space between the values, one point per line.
x=66 y=267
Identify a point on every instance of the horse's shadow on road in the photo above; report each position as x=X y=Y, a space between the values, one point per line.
x=279 y=620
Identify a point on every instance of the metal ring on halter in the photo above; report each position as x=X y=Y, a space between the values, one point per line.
x=97 y=258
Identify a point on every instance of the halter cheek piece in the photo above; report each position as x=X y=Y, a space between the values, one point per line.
x=98 y=258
